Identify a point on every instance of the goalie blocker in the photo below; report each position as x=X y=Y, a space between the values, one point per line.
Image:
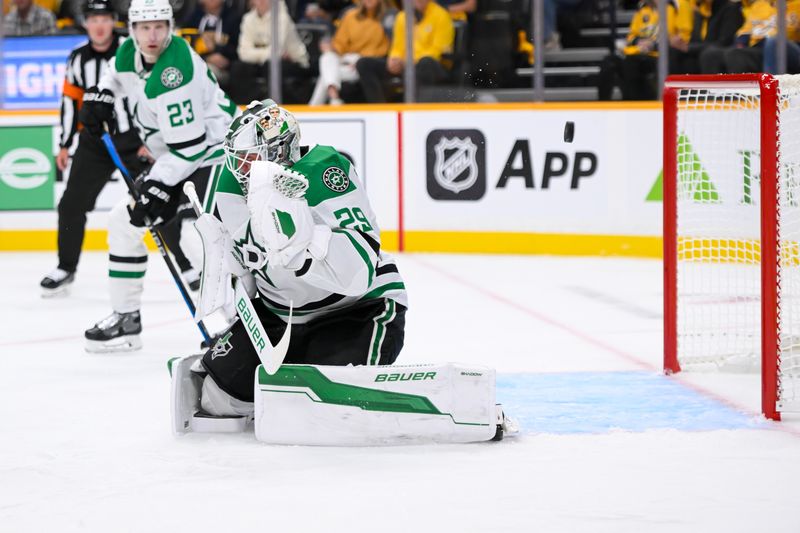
x=353 y=406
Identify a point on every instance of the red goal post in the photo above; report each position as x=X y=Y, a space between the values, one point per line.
x=732 y=252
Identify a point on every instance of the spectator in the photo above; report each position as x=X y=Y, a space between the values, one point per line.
x=638 y=66
x=360 y=34
x=433 y=37
x=217 y=29
x=552 y=40
x=792 y=39
x=325 y=11
x=748 y=53
x=255 y=51
x=704 y=29
x=28 y=19
x=459 y=9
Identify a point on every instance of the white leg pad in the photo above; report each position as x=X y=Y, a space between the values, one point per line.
x=369 y=405
x=186 y=390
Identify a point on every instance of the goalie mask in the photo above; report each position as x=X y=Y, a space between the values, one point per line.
x=264 y=132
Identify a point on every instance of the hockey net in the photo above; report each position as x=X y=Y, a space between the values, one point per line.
x=732 y=229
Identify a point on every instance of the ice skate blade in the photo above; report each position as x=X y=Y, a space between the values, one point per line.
x=126 y=343
x=218 y=424
x=59 y=292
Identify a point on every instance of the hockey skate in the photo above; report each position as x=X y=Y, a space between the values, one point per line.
x=118 y=332
x=56 y=283
x=506 y=426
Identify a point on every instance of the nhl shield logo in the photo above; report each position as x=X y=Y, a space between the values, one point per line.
x=455 y=168
x=171 y=77
x=456 y=162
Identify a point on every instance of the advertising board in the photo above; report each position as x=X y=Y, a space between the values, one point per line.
x=33 y=69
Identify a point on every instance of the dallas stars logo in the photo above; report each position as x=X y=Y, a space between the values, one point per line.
x=335 y=179
x=171 y=77
x=222 y=346
x=252 y=255
x=142 y=127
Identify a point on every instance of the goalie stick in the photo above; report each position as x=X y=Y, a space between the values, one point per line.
x=157 y=238
x=271 y=357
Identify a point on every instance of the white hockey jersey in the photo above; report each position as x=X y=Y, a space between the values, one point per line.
x=354 y=264
x=178 y=107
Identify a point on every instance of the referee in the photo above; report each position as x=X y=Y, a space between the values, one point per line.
x=91 y=165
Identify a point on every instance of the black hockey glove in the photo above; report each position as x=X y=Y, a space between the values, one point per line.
x=97 y=111
x=156 y=203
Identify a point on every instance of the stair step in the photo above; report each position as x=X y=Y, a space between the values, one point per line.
x=576 y=55
x=554 y=94
x=584 y=70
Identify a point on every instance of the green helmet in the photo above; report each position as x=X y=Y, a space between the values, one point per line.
x=266 y=132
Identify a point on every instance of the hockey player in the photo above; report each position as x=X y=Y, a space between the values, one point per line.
x=319 y=251
x=91 y=165
x=183 y=117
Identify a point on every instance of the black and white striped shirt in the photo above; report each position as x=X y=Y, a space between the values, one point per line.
x=85 y=66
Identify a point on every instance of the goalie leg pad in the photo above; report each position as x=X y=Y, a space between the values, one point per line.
x=184 y=392
x=375 y=405
x=187 y=416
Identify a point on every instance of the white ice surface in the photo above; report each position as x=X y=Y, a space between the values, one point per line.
x=85 y=442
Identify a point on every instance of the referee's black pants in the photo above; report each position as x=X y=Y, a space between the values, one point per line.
x=90 y=171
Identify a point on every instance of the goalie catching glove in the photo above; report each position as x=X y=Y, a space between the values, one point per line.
x=284 y=224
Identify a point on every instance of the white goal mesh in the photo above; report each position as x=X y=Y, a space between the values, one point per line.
x=718 y=224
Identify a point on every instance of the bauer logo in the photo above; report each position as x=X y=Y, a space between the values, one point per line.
x=456 y=164
x=405 y=376
x=27 y=171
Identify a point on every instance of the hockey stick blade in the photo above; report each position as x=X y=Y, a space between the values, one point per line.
x=271 y=357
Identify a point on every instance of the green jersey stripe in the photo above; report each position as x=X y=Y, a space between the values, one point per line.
x=212 y=189
x=383 y=289
x=379 y=332
x=122 y=274
x=191 y=158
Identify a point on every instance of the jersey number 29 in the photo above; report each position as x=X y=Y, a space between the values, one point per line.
x=347 y=216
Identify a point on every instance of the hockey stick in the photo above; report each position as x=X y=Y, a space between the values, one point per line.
x=271 y=357
x=157 y=238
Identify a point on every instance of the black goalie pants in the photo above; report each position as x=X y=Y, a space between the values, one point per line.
x=370 y=333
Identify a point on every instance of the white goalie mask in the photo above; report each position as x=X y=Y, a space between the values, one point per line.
x=264 y=132
x=150 y=11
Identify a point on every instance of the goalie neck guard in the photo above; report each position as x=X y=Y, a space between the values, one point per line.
x=265 y=132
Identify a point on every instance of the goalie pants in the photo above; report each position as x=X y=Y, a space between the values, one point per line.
x=370 y=333
x=127 y=259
